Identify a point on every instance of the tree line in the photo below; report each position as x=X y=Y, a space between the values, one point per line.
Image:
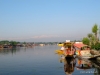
x=6 y=42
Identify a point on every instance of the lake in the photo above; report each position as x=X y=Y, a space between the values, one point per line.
x=39 y=60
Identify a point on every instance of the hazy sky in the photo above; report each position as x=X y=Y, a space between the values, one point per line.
x=47 y=20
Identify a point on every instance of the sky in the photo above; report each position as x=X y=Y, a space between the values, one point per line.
x=47 y=20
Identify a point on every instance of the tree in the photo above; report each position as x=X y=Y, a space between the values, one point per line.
x=86 y=41
x=3 y=42
x=24 y=42
x=13 y=43
x=97 y=46
x=90 y=37
x=93 y=39
x=95 y=31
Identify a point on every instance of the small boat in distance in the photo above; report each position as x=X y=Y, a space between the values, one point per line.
x=60 y=44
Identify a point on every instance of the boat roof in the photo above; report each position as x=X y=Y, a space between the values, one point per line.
x=79 y=45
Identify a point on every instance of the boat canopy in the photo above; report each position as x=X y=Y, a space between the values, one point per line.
x=79 y=45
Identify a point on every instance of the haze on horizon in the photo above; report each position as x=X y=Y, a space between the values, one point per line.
x=47 y=20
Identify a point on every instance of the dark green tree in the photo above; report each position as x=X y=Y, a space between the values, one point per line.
x=86 y=41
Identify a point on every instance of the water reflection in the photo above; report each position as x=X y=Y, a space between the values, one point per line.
x=69 y=65
x=82 y=64
x=96 y=65
x=42 y=61
x=30 y=61
x=73 y=64
x=9 y=51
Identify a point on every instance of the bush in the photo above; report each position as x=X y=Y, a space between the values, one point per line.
x=96 y=46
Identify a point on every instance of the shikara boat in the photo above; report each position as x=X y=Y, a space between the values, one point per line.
x=60 y=44
x=69 y=50
x=59 y=51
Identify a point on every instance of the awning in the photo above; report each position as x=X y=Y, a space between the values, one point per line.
x=79 y=45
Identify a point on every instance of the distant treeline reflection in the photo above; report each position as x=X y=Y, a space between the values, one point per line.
x=7 y=51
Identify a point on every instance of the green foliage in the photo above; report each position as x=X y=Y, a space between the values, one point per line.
x=95 y=31
x=95 y=28
x=13 y=43
x=24 y=42
x=96 y=46
x=90 y=35
x=92 y=46
x=8 y=42
x=4 y=42
x=86 y=41
x=92 y=39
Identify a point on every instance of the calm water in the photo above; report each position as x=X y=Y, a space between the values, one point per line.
x=34 y=61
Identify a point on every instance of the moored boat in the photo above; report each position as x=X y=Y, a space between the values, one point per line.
x=60 y=44
x=68 y=49
x=59 y=51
